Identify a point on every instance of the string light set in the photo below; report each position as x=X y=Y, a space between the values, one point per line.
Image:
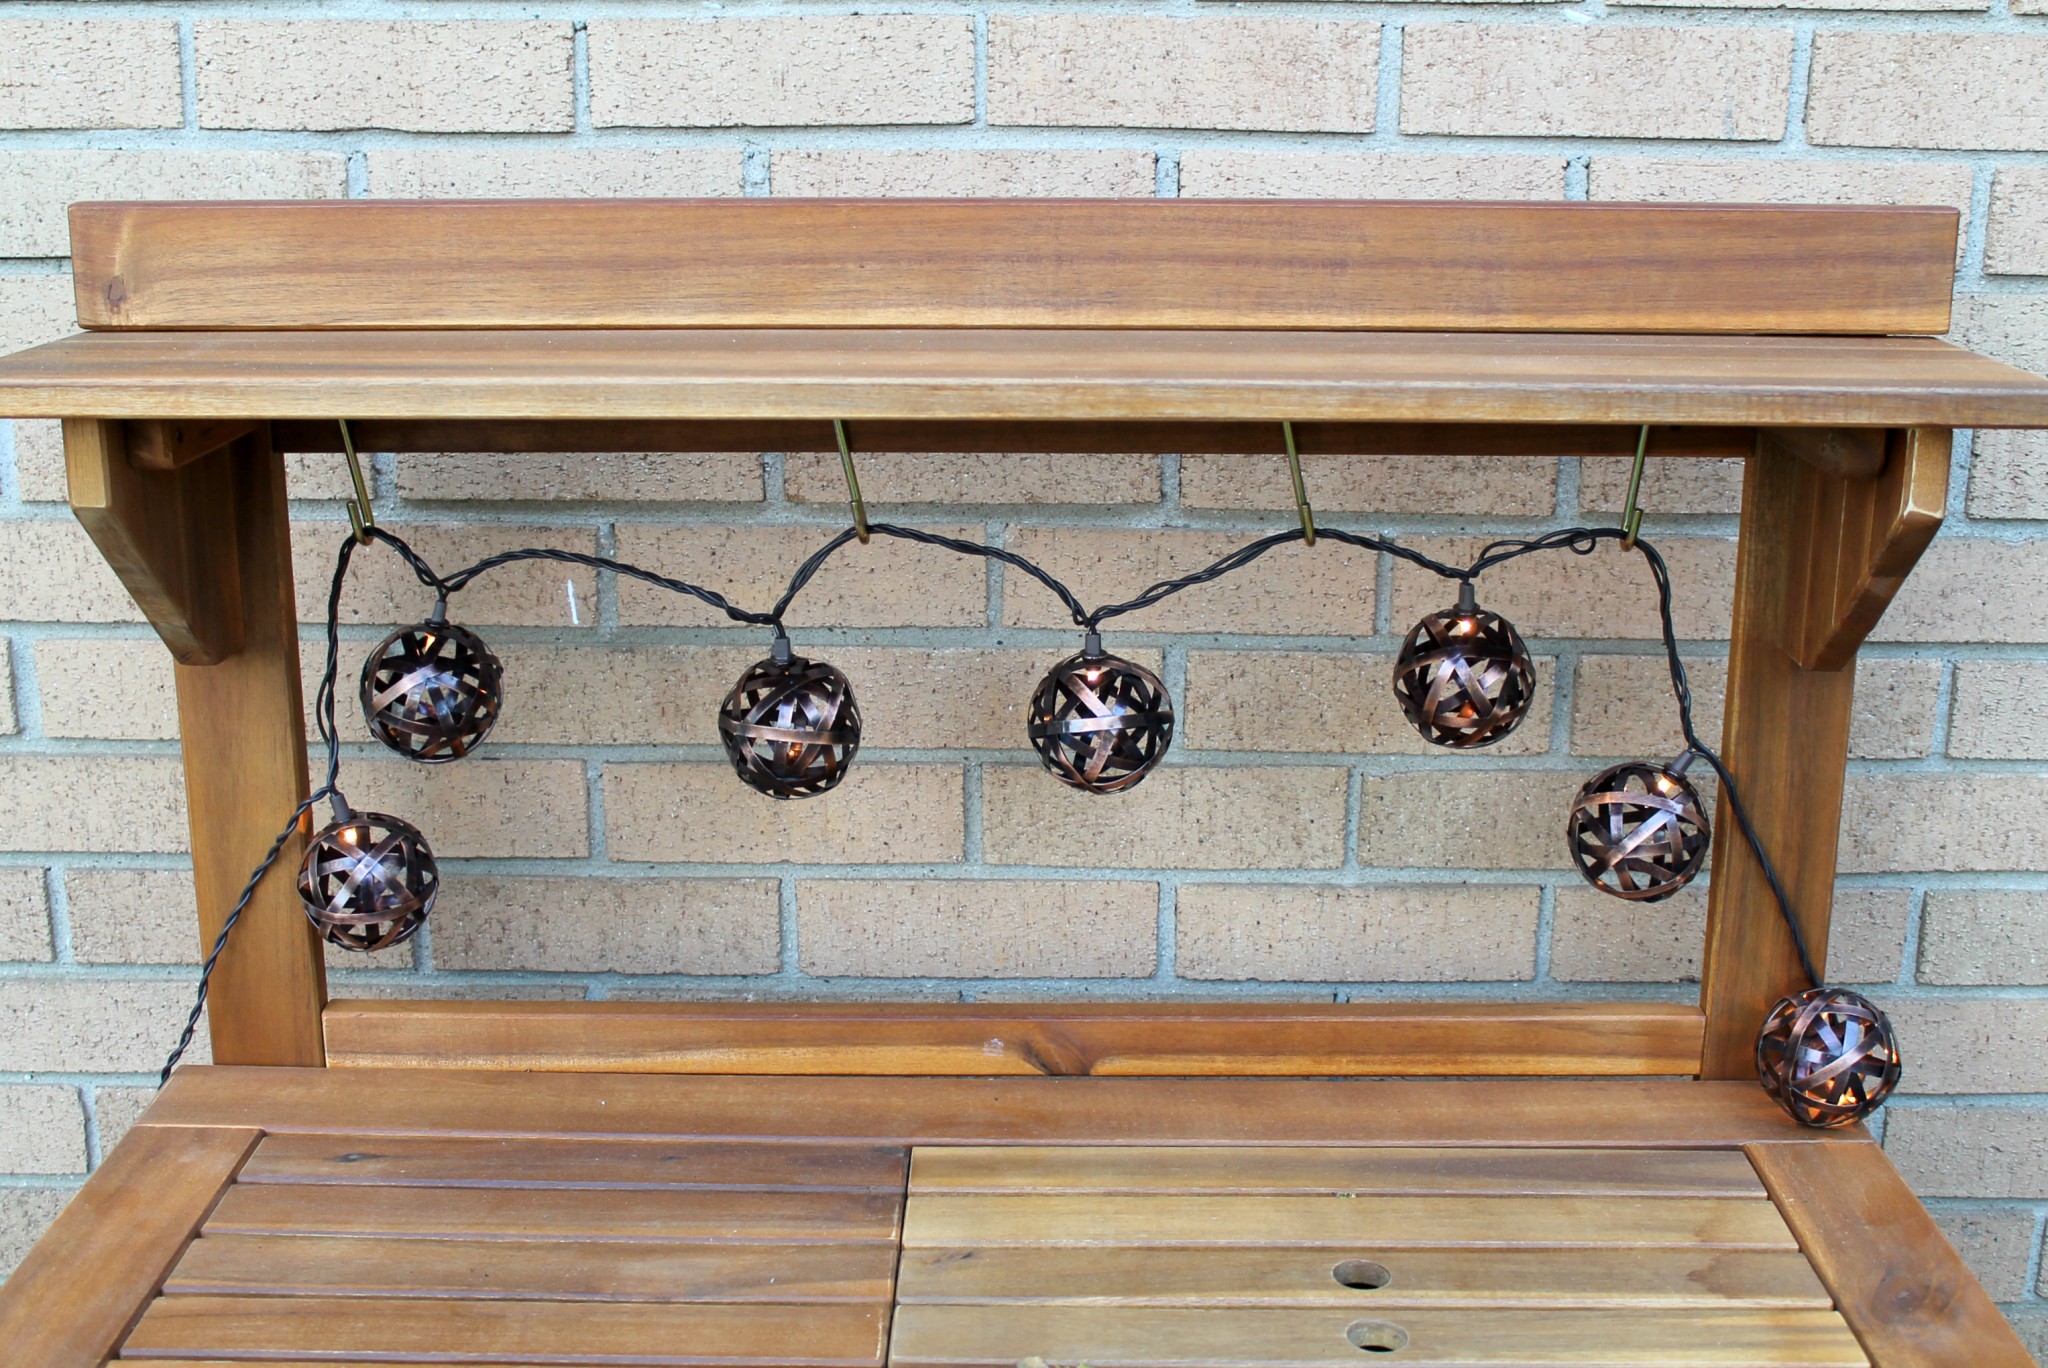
x=1099 y=723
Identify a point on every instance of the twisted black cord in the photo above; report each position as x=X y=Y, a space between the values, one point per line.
x=1682 y=691
x=227 y=928
x=323 y=722
x=914 y=534
x=461 y=578
x=1578 y=540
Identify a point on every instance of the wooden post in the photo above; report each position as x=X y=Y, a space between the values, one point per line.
x=206 y=551
x=243 y=726
x=1820 y=557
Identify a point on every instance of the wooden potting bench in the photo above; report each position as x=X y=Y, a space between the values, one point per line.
x=356 y=1183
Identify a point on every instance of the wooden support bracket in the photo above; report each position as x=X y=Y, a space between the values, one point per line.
x=169 y=534
x=166 y=444
x=1861 y=537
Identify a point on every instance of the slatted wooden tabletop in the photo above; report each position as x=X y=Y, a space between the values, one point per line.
x=535 y=1251
x=1136 y=1257
x=274 y=1217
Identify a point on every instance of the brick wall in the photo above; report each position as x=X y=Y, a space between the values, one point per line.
x=1301 y=844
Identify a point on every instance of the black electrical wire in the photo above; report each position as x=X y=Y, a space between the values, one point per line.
x=1580 y=541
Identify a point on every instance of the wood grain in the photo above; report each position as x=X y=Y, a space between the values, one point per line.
x=533 y=1270
x=724 y=263
x=435 y=1330
x=76 y=1293
x=242 y=724
x=1285 y=1170
x=1864 y=538
x=1785 y=737
x=168 y=445
x=556 y=1214
x=936 y=1219
x=1292 y=1276
x=1116 y=1337
x=1178 y=1039
x=1627 y=1114
x=443 y=1161
x=1024 y=375
x=169 y=536
x=1898 y=1282
x=1078 y=437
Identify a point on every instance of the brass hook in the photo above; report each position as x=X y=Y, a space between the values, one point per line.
x=1308 y=517
x=1632 y=511
x=860 y=508
x=359 y=515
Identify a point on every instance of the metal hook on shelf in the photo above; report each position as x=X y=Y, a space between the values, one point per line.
x=860 y=508
x=1632 y=511
x=1307 y=514
x=359 y=515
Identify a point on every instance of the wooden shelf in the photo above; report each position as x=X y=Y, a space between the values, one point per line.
x=1021 y=374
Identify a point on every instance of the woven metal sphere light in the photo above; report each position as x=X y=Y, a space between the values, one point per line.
x=1637 y=831
x=368 y=880
x=431 y=692
x=1463 y=676
x=1099 y=722
x=790 y=726
x=1828 y=1056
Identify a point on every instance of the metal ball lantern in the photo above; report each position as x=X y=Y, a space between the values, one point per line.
x=1099 y=722
x=433 y=691
x=1463 y=676
x=368 y=880
x=1828 y=1056
x=1637 y=831
x=790 y=726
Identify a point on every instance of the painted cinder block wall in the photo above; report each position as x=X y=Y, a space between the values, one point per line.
x=1301 y=844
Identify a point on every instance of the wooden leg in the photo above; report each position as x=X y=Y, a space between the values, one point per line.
x=245 y=769
x=1820 y=557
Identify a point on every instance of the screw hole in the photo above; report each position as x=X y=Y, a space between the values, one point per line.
x=1362 y=1274
x=1376 y=1337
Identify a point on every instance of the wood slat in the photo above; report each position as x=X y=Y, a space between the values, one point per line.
x=78 y=1290
x=1625 y=1114
x=1179 y=1039
x=1166 y=1338
x=439 y=1161
x=1341 y=1222
x=1311 y=439
x=1288 y=1276
x=419 y=1331
x=726 y=263
x=539 y=1270
x=1024 y=375
x=1284 y=1170
x=555 y=1214
x=1897 y=1280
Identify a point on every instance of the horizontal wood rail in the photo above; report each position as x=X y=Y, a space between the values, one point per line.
x=736 y=263
x=1023 y=375
x=1079 y=438
x=1058 y=1040
x=1632 y=1113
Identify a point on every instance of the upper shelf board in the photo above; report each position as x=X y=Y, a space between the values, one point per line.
x=1216 y=264
x=1021 y=374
